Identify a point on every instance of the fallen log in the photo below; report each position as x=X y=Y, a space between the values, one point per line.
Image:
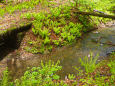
x=99 y=11
x=95 y=14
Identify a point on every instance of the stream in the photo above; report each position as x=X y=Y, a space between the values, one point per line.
x=100 y=41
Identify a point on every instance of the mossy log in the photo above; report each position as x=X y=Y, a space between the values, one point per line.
x=96 y=14
x=19 y=27
x=13 y=31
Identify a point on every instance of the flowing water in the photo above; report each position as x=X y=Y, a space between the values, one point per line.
x=101 y=41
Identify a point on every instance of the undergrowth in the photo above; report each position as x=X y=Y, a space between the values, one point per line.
x=89 y=63
x=91 y=5
x=10 y=8
x=98 y=6
x=55 y=28
x=45 y=75
x=60 y=26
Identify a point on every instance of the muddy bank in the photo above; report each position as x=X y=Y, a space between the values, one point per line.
x=100 y=41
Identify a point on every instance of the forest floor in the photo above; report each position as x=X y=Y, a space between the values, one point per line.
x=9 y=20
x=13 y=19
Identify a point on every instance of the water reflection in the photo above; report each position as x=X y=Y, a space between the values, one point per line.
x=100 y=41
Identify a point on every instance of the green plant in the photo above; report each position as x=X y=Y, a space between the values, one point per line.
x=66 y=12
x=44 y=2
x=66 y=28
x=44 y=33
x=49 y=47
x=113 y=53
x=79 y=26
x=47 y=22
x=57 y=30
x=85 y=21
x=54 y=24
x=46 y=41
x=89 y=63
x=34 y=31
x=65 y=34
x=42 y=48
x=71 y=76
x=33 y=50
x=41 y=76
x=27 y=15
x=24 y=5
x=70 y=38
x=59 y=21
x=79 y=71
x=90 y=5
x=71 y=25
x=111 y=64
x=88 y=81
x=100 y=81
x=55 y=11
x=2 y=12
x=30 y=42
x=39 y=16
x=56 y=42
x=66 y=9
x=37 y=27
x=5 y=79
x=62 y=21
x=75 y=29
x=112 y=79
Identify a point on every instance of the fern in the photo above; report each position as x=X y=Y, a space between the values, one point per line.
x=46 y=40
x=56 y=30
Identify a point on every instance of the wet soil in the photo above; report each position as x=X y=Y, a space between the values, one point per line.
x=17 y=60
x=101 y=41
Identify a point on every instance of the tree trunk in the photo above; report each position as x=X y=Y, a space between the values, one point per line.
x=95 y=14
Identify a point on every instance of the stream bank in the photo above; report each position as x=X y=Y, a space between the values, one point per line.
x=18 y=59
x=100 y=41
